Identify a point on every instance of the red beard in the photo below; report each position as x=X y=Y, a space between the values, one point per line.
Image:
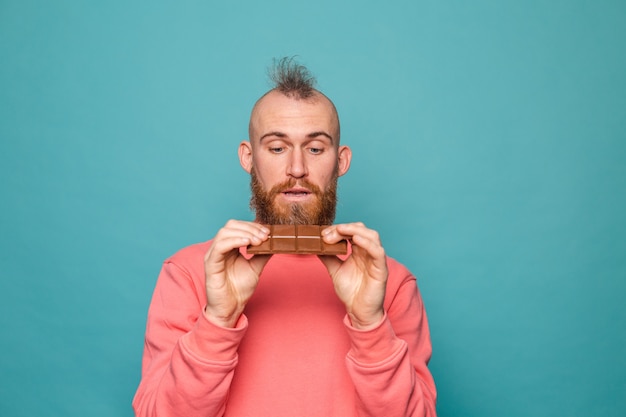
x=321 y=211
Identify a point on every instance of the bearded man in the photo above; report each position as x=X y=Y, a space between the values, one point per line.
x=235 y=334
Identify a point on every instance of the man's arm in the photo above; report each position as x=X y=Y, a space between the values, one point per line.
x=188 y=361
x=388 y=364
x=195 y=325
x=389 y=331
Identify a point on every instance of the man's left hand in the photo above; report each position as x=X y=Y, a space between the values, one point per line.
x=360 y=280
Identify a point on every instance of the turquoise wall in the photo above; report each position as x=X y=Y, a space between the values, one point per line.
x=489 y=152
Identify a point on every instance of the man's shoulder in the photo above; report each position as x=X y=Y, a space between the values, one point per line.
x=398 y=271
x=190 y=253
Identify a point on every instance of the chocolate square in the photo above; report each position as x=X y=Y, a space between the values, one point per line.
x=309 y=239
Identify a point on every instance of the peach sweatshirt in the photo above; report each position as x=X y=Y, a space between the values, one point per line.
x=293 y=352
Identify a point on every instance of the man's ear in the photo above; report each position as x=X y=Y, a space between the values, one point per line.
x=344 y=157
x=245 y=156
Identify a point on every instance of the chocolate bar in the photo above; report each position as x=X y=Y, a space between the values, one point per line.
x=297 y=239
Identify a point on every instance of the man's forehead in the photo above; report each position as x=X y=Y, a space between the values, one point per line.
x=276 y=108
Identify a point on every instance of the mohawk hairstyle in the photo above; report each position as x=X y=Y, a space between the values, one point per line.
x=292 y=79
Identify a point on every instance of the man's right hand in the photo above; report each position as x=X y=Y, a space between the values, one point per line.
x=230 y=279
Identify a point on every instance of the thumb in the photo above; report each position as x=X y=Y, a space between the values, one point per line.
x=331 y=262
x=258 y=262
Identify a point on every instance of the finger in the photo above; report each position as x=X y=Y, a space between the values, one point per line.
x=331 y=235
x=357 y=233
x=246 y=228
x=347 y=230
x=365 y=243
x=236 y=234
x=358 y=228
x=227 y=244
x=371 y=244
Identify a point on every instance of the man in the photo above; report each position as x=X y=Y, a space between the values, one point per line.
x=234 y=334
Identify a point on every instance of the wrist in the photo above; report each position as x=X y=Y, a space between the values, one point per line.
x=368 y=323
x=226 y=321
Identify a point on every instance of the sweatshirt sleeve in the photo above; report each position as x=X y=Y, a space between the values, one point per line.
x=389 y=364
x=188 y=362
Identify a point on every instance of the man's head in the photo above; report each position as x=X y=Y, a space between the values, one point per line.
x=293 y=154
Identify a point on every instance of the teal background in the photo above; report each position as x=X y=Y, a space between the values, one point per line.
x=489 y=150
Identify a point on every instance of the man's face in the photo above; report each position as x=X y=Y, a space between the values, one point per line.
x=294 y=160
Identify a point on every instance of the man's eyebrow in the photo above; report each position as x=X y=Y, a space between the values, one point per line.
x=320 y=133
x=311 y=135
x=277 y=134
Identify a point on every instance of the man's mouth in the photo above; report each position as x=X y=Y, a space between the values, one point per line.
x=295 y=193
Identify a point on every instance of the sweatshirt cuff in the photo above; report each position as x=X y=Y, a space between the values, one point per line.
x=215 y=343
x=374 y=345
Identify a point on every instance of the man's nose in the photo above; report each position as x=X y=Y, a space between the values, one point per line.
x=297 y=164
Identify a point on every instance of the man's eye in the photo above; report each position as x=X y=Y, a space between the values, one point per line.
x=276 y=150
x=316 y=151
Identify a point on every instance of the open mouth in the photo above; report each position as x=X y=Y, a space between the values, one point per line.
x=296 y=193
x=297 y=190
